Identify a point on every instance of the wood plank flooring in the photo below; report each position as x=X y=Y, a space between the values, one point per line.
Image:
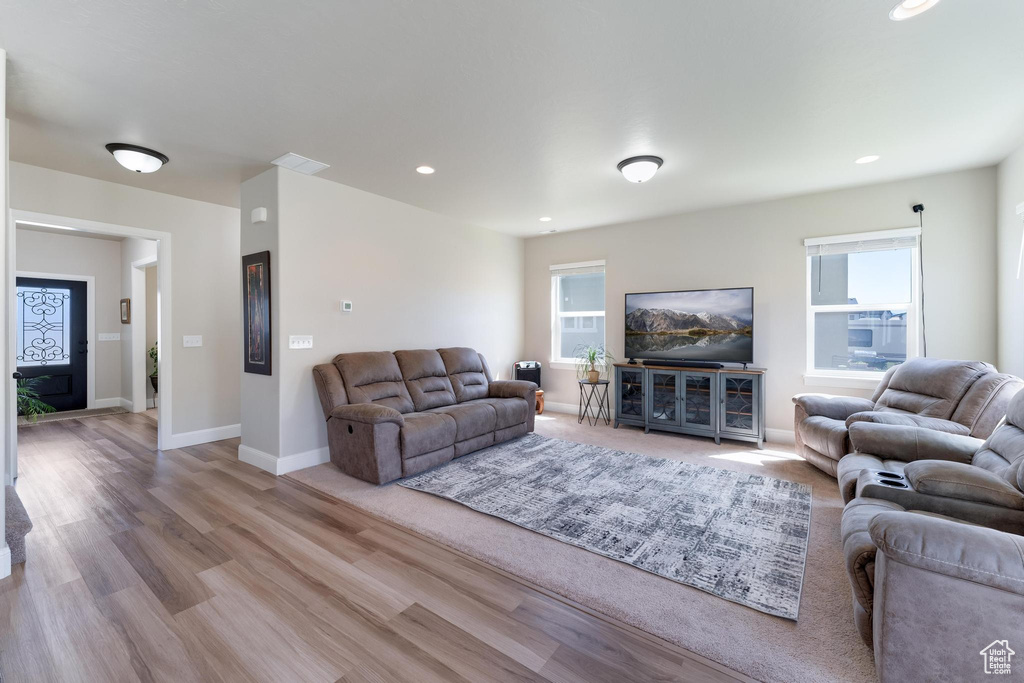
x=189 y=565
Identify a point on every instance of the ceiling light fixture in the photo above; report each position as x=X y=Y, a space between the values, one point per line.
x=425 y=170
x=138 y=159
x=911 y=8
x=640 y=169
x=867 y=160
x=547 y=232
x=545 y=219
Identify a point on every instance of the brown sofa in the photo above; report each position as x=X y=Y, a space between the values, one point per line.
x=958 y=397
x=392 y=415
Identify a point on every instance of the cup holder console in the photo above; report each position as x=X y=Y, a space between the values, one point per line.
x=889 y=475
x=893 y=483
x=886 y=485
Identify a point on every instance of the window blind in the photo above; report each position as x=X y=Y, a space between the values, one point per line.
x=578 y=268
x=884 y=244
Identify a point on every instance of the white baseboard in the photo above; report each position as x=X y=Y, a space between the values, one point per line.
x=199 y=436
x=5 y=562
x=785 y=436
x=289 y=463
x=116 y=402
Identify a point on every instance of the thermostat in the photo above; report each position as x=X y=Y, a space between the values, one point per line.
x=346 y=306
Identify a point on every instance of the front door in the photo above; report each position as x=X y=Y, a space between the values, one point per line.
x=52 y=339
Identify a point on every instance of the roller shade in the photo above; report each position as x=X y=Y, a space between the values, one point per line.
x=905 y=239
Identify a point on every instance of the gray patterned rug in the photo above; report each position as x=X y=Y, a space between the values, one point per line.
x=742 y=537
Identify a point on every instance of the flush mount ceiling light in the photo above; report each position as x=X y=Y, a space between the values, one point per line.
x=545 y=219
x=425 y=170
x=138 y=159
x=867 y=160
x=911 y=8
x=640 y=169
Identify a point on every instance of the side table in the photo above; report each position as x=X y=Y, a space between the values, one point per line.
x=591 y=392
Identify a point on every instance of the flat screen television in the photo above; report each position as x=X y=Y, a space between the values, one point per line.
x=698 y=324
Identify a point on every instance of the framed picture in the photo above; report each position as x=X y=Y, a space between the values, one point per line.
x=256 y=313
x=126 y=311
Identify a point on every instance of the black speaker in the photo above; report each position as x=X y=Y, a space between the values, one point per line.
x=528 y=370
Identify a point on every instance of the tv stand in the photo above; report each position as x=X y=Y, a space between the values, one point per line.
x=721 y=403
x=708 y=365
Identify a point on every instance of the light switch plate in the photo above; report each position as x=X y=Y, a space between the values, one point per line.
x=110 y=336
x=300 y=341
x=192 y=340
x=346 y=306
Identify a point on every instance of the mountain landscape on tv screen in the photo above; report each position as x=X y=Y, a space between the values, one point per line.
x=665 y=321
x=665 y=333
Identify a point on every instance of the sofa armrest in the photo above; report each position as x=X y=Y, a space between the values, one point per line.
x=835 y=407
x=902 y=442
x=909 y=420
x=961 y=551
x=511 y=388
x=368 y=413
x=964 y=482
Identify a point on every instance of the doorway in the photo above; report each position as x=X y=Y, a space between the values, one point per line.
x=52 y=343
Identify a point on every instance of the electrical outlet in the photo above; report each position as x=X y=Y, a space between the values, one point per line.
x=300 y=341
x=110 y=336
x=190 y=340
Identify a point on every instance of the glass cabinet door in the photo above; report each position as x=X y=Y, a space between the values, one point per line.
x=740 y=404
x=698 y=399
x=663 y=395
x=631 y=394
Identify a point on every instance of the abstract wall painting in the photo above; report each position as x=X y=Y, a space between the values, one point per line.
x=256 y=302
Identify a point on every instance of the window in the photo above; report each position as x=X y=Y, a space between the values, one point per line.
x=577 y=308
x=863 y=302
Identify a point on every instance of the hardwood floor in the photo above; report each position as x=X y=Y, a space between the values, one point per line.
x=189 y=565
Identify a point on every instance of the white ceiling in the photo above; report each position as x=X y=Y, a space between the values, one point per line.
x=523 y=106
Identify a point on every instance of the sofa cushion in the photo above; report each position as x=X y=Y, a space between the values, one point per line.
x=467 y=373
x=426 y=432
x=508 y=411
x=930 y=386
x=426 y=378
x=825 y=435
x=471 y=419
x=374 y=377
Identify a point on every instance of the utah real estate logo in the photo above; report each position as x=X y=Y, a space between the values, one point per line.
x=997 y=656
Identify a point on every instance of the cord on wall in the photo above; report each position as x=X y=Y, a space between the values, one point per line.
x=919 y=210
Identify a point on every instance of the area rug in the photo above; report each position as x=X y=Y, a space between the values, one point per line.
x=741 y=537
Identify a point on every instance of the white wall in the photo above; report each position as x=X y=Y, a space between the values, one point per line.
x=151 y=327
x=1010 y=193
x=761 y=245
x=417 y=280
x=67 y=254
x=6 y=280
x=133 y=335
x=204 y=271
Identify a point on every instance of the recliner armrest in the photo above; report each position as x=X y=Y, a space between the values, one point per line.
x=835 y=407
x=961 y=551
x=902 y=442
x=511 y=388
x=963 y=482
x=909 y=420
x=368 y=413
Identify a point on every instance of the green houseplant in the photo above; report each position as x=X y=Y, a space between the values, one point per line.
x=591 y=361
x=29 y=403
x=153 y=375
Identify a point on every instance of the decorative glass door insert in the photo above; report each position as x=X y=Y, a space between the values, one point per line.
x=44 y=326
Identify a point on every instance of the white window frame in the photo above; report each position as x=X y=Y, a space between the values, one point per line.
x=557 y=314
x=861 y=379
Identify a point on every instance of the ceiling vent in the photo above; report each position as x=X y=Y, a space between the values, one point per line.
x=294 y=162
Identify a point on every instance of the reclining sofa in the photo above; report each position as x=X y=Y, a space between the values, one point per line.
x=934 y=544
x=394 y=414
x=958 y=397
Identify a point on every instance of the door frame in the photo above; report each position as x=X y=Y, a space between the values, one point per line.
x=164 y=326
x=90 y=333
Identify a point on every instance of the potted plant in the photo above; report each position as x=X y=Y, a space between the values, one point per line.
x=29 y=403
x=153 y=375
x=591 y=360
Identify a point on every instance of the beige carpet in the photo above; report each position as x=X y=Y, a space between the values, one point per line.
x=822 y=646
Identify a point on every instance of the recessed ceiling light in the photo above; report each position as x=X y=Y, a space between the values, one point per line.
x=868 y=159
x=911 y=8
x=640 y=169
x=545 y=219
x=138 y=159
x=425 y=170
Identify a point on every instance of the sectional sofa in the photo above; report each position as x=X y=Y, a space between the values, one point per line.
x=394 y=414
